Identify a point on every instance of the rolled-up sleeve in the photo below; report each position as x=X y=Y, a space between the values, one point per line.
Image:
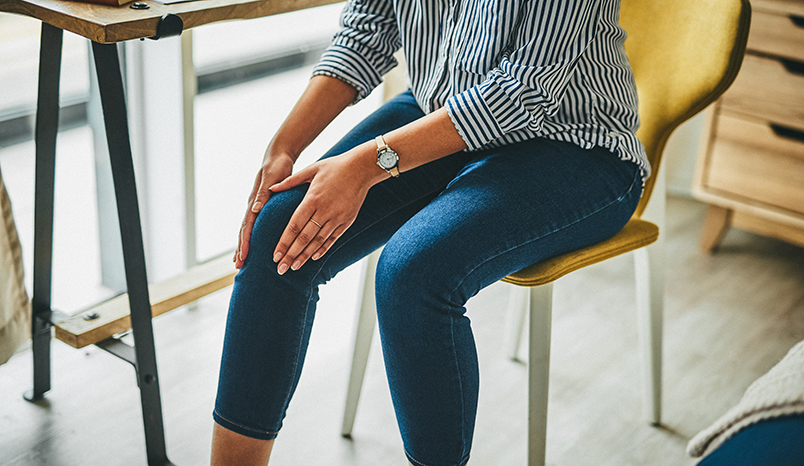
x=362 y=52
x=529 y=82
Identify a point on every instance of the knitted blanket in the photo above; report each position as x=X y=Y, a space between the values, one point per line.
x=780 y=392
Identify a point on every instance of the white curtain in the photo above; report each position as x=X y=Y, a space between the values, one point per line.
x=15 y=308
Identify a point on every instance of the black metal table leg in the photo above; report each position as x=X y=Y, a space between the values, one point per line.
x=47 y=123
x=110 y=82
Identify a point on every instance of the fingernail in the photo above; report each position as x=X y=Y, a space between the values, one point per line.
x=277 y=257
x=316 y=256
x=296 y=265
x=282 y=269
x=256 y=206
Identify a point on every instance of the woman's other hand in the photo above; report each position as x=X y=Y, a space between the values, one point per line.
x=275 y=168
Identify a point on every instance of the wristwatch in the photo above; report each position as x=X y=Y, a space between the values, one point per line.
x=387 y=159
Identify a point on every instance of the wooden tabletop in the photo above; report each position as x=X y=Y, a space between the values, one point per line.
x=107 y=24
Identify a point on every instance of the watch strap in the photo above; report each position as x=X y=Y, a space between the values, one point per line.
x=381 y=145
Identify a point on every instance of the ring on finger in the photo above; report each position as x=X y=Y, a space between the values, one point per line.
x=316 y=223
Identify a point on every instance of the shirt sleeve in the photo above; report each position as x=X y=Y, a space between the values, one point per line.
x=362 y=52
x=530 y=80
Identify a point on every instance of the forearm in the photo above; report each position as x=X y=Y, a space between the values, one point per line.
x=424 y=140
x=323 y=100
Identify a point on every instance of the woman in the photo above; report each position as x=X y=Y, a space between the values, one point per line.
x=515 y=143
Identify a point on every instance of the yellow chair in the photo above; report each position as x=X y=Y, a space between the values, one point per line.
x=685 y=54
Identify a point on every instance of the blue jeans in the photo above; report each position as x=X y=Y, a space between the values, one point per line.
x=771 y=442
x=450 y=228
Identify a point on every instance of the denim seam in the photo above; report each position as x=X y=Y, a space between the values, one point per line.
x=419 y=463
x=298 y=352
x=242 y=426
x=414 y=459
x=602 y=208
x=460 y=382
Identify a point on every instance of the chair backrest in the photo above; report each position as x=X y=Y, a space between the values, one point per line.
x=685 y=54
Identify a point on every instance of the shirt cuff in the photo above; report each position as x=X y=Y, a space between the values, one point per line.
x=492 y=109
x=473 y=118
x=489 y=110
x=348 y=65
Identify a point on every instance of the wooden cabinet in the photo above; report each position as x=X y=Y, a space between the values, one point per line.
x=751 y=166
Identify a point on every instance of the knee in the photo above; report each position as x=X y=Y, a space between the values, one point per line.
x=259 y=291
x=410 y=279
x=266 y=231
x=398 y=273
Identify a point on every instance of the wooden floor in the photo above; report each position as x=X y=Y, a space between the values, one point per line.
x=729 y=318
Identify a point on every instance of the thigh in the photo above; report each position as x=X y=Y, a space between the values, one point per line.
x=511 y=207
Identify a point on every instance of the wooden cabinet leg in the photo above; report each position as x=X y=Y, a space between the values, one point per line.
x=716 y=224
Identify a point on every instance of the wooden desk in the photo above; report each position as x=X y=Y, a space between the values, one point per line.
x=107 y=24
x=104 y=26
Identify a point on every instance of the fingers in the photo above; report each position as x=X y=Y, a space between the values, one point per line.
x=329 y=207
x=324 y=247
x=261 y=196
x=275 y=167
x=294 y=180
x=301 y=231
x=323 y=235
x=244 y=238
x=321 y=242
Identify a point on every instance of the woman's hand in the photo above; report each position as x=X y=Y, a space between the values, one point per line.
x=274 y=168
x=338 y=187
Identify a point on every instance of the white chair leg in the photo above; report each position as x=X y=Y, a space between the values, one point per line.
x=518 y=305
x=649 y=268
x=366 y=321
x=649 y=264
x=541 y=310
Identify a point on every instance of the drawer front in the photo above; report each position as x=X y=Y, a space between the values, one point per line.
x=777 y=34
x=770 y=89
x=757 y=162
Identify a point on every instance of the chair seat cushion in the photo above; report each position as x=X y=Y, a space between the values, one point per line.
x=637 y=233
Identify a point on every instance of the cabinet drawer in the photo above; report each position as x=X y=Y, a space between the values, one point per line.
x=777 y=34
x=769 y=89
x=755 y=162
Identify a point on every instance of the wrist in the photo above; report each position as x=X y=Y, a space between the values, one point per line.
x=364 y=160
x=276 y=153
x=387 y=158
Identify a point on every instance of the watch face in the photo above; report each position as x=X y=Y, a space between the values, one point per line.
x=388 y=159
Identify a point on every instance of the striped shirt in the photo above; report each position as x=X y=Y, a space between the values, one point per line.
x=506 y=70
